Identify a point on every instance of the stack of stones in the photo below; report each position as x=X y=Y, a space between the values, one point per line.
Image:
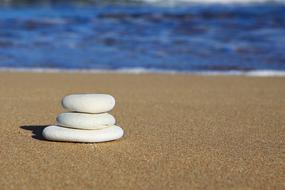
x=87 y=121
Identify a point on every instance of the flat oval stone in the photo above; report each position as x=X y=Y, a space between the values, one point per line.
x=89 y=103
x=57 y=133
x=85 y=121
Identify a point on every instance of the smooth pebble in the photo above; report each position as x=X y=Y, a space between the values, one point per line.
x=57 y=133
x=85 y=121
x=89 y=103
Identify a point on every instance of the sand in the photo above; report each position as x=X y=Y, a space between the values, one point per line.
x=181 y=132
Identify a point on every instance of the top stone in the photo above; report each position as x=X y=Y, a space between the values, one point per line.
x=89 y=103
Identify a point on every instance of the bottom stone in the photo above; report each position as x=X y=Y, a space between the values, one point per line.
x=56 y=133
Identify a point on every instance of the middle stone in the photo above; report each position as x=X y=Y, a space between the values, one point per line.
x=85 y=121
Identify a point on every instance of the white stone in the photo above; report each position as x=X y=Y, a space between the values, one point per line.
x=57 y=133
x=89 y=103
x=85 y=121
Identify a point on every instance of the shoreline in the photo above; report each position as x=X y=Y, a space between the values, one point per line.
x=256 y=73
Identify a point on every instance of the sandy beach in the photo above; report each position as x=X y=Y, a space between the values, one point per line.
x=181 y=132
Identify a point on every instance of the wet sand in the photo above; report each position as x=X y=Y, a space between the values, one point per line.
x=181 y=132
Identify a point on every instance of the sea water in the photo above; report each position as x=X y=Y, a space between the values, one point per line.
x=204 y=36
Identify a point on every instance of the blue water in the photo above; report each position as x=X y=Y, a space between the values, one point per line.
x=187 y=37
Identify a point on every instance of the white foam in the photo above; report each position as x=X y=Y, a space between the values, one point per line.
x=173 y=2
x=258 y=73
x=138 y=70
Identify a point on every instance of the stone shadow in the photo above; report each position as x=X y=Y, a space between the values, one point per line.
x=36 y=130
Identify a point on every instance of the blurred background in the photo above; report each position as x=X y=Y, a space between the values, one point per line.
x=143 y=35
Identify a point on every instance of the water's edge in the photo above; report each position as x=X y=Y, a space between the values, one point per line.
x=259 y=73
